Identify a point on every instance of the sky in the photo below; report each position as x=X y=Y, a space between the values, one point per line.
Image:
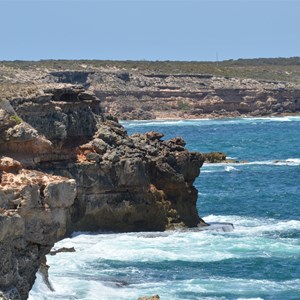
x=187 y=30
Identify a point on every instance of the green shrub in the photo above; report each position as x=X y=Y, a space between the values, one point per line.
x=183 y=105
x=17 y=119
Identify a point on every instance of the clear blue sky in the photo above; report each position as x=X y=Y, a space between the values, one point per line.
x=151 y=30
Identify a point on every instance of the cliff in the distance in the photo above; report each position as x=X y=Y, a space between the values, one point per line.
x=150 y=96
x=149 y=90
x=66 y=166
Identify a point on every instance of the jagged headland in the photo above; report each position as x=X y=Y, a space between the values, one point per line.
x=66 y=164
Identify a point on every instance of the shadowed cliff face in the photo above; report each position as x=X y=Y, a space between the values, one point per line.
x=91 y=176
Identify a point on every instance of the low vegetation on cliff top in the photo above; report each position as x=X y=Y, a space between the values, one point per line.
x=278 y=69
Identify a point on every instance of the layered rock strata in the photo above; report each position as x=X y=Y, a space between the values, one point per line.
x=148 y=96
x=66 y=166
x=137 y=94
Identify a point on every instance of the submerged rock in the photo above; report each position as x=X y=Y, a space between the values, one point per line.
x=219 y=226
x=62 y=250
x=220 y=157
x=214 y=157
x=155 y=297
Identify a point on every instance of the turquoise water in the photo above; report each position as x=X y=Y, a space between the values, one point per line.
x=259 y=259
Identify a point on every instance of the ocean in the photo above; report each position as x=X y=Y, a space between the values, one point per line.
x=258 y=259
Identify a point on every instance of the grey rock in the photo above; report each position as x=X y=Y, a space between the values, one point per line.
x=94 y=157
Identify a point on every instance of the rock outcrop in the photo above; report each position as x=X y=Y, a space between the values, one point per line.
x=220 y=157
x=66 y=166
x=33 y=216
x=155 y=297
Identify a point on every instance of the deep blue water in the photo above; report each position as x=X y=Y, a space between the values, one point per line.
x=259 y=259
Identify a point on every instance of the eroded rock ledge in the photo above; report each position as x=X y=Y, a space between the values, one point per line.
x=65 y=166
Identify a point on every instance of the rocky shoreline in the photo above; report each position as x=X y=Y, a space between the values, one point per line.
x=66 y=163
x=223 y=116
x=66 y=166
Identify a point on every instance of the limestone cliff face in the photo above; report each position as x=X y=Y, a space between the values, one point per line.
x=149 y=96
x=33 y=216
x=65 y=166
x=138 y=94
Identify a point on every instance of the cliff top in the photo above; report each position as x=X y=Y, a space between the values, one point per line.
x=274 y=69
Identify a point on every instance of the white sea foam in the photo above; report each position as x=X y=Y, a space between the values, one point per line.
x=230 y=169
x=279 y=162
x=78 y=279
x=249 y=238
x=274 y=162
x=92 y=290
x=62 y=290
x=79 y=288
x=220 y=285
x=250 y=299
x=129 y=124
x=207 y=121
x=294 y=161
x=270 y=119
x=255 y=224
x=274 y=119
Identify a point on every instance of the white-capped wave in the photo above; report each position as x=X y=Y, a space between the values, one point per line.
x=230 y=169
x=272 y=119
x=250 y=299
x=248 y=222
x=220 y=286
x=250 y=237
x=244 y=287
x=128 y=124
x=293 y=160
x=278 y=162
x=258 y=227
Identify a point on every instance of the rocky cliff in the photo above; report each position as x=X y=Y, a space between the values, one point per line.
x=149 y=96
x=66 y=166
x=139 y=92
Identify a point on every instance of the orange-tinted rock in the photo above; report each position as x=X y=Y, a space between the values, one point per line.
x=8 y=164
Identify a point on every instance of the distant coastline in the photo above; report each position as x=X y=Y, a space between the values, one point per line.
x=146 y=90
x=209 y=117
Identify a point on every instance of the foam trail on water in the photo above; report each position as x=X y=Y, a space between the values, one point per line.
x=274 y=162
x=279 y=162
x=207 y=121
